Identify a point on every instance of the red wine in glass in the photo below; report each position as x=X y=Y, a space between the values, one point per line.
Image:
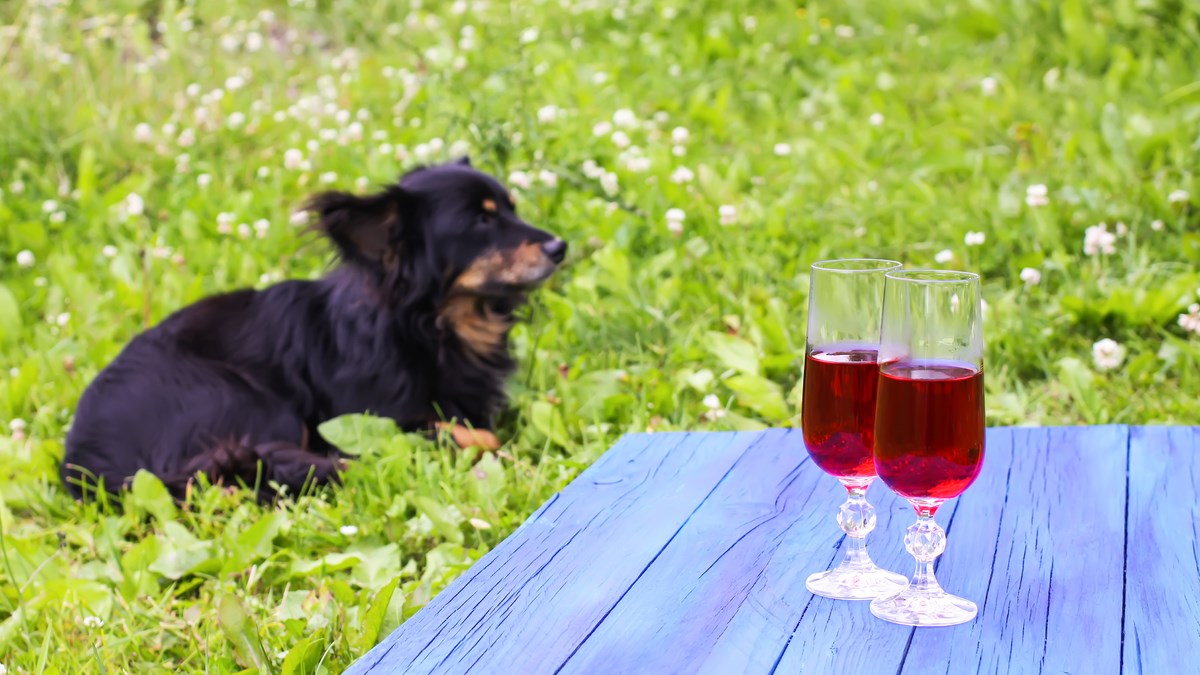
x=930 y=428
x=929 y=423
x=841 y=372
x=839 y=408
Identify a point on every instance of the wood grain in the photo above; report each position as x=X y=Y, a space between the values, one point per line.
x=1162 y=593
x=1039 y=546
x=528 y=604
x=688 y=553
x=724 y=593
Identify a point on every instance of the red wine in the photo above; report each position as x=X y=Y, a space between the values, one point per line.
x=838 y=415
x=929 y=427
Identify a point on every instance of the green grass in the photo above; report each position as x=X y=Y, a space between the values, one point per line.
x=1099 y=104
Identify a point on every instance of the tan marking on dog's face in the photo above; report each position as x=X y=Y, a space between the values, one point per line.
x=525 y=265
x=489 y=205
x=481 y=330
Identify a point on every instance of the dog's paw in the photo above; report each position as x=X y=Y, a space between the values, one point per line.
x=466 y=437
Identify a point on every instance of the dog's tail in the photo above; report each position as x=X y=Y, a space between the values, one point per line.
x=239 y=461
x=228 y=461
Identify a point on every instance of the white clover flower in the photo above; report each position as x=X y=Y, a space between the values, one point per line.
x=548 y=113
x=974 y=239
x=169 y=129
x=749 y=23
x=608 y=182
x=845 y=32
x=109 y=251
x=1107 y=354
x=58 y=217
x=876 y=119
x=783 y=149
x=25 y=258
x=187 y=138
x=1122 y=229
x=422 y=152
x=682 y=175
x=675 y=218
x=1097 y=239
x=348 y=530
x=529 y=36
x=637 y=163
x=193 y=90
x=329 y=177
x=236 y=119
x=203 y=180
x=93 y=622
x=355 y=131
x=49 y=206
x=254 y=42
x=17 y=187
x=591 y=169
x=520 y=179
x=679 y=151
x=1031 y=276
x=263 y=172
x=620 y=139
x=63 y=319
x=134 y=205
x=943 y=256
x=1157 y=225
x=679 y=135
x=261 y=227
x=625 y=118
x=1191 y=321
x=235 y=82
x=988 y=86
x=1036 y=195
x=727 y=214
x=548 y=178
x=299 y=218
x=599 y=78
x=712 y=402
x=1178 y=197
x=3 y=669
x=243 y=231
x=143 y=133
x=602 y=128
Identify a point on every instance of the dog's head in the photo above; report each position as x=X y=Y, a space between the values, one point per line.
x=448 y=233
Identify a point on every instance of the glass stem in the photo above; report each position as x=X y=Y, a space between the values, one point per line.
x=925 y=540
x=856 y=517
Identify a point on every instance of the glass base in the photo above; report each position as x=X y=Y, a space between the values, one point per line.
x=846 y=582
x=911 y=607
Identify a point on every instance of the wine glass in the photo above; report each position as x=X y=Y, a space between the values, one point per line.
x=929 y=422
x=838 y=412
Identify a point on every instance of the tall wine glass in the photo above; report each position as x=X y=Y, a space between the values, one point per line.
x=838 y=413
x=929 y=425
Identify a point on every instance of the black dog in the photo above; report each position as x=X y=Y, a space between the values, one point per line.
x=412 y=325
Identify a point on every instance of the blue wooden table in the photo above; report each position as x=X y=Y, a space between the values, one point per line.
x=687 y=553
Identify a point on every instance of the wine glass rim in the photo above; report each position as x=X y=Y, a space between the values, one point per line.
x=933 y=276
x=856 y=265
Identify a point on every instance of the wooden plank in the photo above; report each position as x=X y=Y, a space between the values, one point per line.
x=529 y=603
x=718 y=581
x=839 y=637
x=765 y=626
x=1038 y=544
x=1162 y=574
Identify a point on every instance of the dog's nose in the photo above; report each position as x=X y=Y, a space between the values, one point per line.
x=555 y=249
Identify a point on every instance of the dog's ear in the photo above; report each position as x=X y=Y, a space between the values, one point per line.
x=362 y=228
x=463 y=161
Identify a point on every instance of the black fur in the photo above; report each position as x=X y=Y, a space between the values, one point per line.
x=235 y=385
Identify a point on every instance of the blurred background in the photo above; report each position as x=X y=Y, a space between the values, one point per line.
x=697 y=155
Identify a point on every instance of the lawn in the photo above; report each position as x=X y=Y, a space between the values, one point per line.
x=697 y=155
